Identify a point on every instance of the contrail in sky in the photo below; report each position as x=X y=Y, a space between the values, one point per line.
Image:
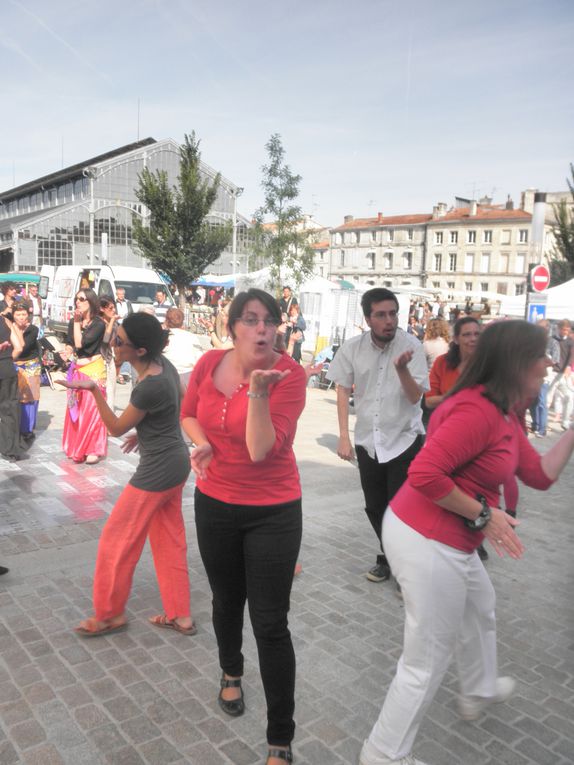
x=61 y=40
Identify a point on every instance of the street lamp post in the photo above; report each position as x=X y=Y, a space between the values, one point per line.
x=237 y=193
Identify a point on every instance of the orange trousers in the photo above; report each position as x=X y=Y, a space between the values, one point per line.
x=136 y=515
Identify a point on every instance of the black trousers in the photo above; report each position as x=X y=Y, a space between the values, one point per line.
x=249 y=553
x=11 y=444
x=380 y=481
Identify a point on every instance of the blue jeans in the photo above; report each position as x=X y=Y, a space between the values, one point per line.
x=249 y=553
x=539 y=411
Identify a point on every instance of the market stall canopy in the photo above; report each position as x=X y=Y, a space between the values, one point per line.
x=226 y=281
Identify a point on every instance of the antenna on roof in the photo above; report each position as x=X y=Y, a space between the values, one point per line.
x=138 y=119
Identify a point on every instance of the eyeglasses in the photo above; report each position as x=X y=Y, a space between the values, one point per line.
x=118 y=342
x=253 y=321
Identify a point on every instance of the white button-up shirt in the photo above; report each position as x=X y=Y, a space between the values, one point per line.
x=387 y=423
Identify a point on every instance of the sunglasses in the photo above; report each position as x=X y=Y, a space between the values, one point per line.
x=118 y=342
x=82 y=299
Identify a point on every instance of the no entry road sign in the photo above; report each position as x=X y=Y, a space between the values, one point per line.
x=539 y=278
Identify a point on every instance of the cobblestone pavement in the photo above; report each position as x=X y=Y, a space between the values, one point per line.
x=149 y=696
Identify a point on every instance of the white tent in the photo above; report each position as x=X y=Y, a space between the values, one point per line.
x=559 y=305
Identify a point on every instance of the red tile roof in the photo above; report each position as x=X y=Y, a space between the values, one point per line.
x=458 y=214
x=391 y=220
x=483 y=214
x=320 y=245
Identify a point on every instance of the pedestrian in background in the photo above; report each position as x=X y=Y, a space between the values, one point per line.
x=84 y=437
x=27 y=362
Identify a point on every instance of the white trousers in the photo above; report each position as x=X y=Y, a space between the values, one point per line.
x=449 y=611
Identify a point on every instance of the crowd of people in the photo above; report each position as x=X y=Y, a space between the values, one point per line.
x=440 y=437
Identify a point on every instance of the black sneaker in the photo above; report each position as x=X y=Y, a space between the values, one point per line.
x=381 y=571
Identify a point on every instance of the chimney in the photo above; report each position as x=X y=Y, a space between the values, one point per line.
x=509 y=203
x=441 y=209
x=379 y=217
x=435 y=212
x=348 y=218
x=473 y=208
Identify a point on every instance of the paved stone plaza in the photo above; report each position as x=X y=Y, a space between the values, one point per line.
x=149 y=696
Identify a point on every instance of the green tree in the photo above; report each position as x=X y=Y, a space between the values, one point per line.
x=278 y=240
x=179 y=240
x=562 y=257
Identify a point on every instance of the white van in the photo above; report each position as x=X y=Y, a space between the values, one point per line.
x=140 y=284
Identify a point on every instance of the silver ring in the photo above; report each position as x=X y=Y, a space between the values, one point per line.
x=499 y=541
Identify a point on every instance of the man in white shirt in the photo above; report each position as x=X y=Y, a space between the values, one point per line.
x=36 y=304
x=123 y=306
x=387 y=373
x=182 y=349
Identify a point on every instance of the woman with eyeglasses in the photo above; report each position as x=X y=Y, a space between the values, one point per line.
x=150 y=505
x=241 y=410
x=85 y=438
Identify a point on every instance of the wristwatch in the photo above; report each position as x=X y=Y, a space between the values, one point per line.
x=480 y=522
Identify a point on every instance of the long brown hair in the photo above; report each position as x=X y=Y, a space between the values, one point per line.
x=504 y=353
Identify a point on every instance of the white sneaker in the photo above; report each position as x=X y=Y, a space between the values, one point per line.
x=470 y=707
x=367 y=757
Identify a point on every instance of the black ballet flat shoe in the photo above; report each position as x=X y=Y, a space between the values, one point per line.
x=235 y=707
x=281 y=754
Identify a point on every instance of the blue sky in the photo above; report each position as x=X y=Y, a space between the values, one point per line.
x=382 y=105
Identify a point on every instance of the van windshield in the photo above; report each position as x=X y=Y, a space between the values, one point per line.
x=144 y=292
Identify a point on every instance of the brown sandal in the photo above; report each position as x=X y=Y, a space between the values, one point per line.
x=91 y=627
x=164 y=623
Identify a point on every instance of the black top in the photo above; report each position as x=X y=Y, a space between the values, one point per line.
x=6 y=364
x=30 y=344
x=92 y=337
x=285 y=305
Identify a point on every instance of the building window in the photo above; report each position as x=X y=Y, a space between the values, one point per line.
x=373 y=236
x=371 y=260
x=342 y=259
x=520 y=263
x=468 y=286
x=484 y=286
x=410 y=234
x=452 y=261
x=387 y=284
x=390 y=235
x=504 y=262
x=487 y=236
x=438 y=237
x=519 y=288
x=407 y=261
x=450 y=285
x=436 y=285
x=471 y=237
x=485 y=263
x=454 y=237
x=469 y=262
x=505 y=236
x=502 y=288
x=437 y=258
x=523 y=235
x=388 y=260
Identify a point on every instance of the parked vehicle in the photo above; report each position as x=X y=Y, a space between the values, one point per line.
x=140 y=284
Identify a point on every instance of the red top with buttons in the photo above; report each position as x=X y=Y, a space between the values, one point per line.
x=232 y=476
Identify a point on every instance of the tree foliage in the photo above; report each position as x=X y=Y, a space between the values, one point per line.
x=279 y=241
x=562 y=257
x=179 y=240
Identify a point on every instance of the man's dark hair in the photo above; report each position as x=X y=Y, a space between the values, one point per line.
x=241 y=300
x=376 y=295
x=8 y=286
